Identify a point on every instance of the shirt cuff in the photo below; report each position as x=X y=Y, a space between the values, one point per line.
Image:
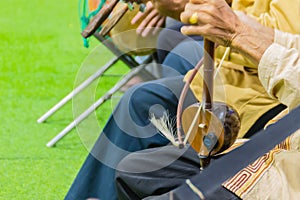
x=284 y=39
x=268 y=64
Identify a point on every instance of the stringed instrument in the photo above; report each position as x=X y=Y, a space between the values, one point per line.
x=114 y=20
x=210 y=127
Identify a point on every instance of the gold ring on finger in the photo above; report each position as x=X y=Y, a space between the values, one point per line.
x=194 y=18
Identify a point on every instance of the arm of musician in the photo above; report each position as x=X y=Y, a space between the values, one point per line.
x=252 y=39
x=279 y=65
x=261 y=33
x=151 y=20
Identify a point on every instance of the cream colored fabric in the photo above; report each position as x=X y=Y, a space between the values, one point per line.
x=281 y=181
x=279 y=69
x=273 y=176
x=241 y=87
x=286 y=39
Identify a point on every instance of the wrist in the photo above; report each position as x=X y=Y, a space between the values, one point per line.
x=252 y=43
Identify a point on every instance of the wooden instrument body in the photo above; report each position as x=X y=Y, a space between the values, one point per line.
x=222 y=121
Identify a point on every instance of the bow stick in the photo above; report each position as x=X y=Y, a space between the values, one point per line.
x=208 y=80
x=208 y=84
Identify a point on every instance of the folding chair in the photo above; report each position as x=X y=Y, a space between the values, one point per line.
x=100 y=33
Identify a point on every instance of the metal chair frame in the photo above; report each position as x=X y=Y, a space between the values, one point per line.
x=136 y=68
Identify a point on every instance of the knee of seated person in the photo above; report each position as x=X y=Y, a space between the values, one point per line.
x=182 y=58
x=162 y=37
x=156 y=97
x=142 y=162
x=138 y=93
x=168 y=37
x=125 y=166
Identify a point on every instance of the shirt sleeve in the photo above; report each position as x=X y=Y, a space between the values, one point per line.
x=287 y=40
x=279 y=71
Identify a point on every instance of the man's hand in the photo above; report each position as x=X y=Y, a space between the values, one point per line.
x=151 y=22
x=214 y=20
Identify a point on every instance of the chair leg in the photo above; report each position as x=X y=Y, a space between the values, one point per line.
x=99 y=102
x=77 y=90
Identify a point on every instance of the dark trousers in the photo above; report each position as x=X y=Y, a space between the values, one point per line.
x=176 y=52
x=169 y=38
x=128 y=130
x=152 y=173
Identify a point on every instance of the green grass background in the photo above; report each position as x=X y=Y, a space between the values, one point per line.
x=42 y=57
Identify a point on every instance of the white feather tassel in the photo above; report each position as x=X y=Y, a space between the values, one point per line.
x=165 y=125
